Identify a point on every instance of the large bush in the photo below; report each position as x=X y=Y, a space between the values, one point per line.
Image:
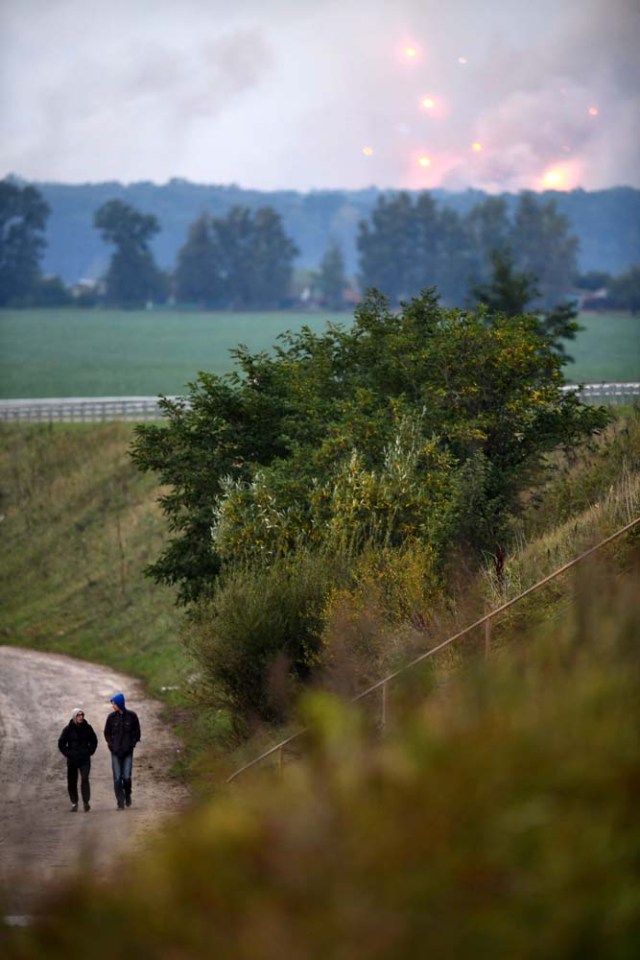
x=420 y=427
x=386 y=431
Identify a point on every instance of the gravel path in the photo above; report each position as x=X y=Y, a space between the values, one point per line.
x=40 y=839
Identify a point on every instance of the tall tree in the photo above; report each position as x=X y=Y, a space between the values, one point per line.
x=454 y=258
x=388 y=248
x=488 y=230
x=198 y=272
x=512 y=293
x=508 y=291
x=543 y=247
x=23 y=218
x=133 y=277
x=256 y=257
x=625 y=289
x=235 y=238
x=272 y=256
x=331 y=279
x=427 y=243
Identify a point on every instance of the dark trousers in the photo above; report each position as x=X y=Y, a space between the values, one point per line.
x=73 y=769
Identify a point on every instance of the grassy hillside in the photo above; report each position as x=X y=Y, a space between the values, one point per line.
x=78 y=526
x=497 y=817
x=88 y=353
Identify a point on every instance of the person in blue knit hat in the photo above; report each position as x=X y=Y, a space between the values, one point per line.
x=122 y=733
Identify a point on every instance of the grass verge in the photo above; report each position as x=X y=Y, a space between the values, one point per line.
x=79 y=524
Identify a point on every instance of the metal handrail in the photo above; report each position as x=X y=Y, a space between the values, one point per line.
x=99 y=409
x=486 y=619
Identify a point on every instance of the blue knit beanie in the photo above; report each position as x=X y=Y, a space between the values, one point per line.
x=118 y=699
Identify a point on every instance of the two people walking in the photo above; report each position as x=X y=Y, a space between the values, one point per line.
x=78 y=743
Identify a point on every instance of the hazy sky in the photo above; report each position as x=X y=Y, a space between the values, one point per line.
x=304 y=94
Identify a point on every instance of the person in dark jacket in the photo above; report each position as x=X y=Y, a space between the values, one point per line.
x=78 y=743
x=122 y=732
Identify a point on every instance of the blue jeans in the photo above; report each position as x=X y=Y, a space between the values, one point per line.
x=122 y=767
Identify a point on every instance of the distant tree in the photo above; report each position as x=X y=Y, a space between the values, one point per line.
x=427 y=227
x=51 y=292
x=508 y=291
x=331 y=278
x=23 y=218
x=625 y=290
x=198 y=276
x=454 y=258
x=272 y=256
x=411 y=245
x=235 y=238
x=542 y=247
x=488 y=230
x=133 y=277
x=512 y=293
x=593 y=280
x=389 y=248
x=256 y=257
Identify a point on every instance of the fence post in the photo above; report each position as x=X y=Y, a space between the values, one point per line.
x=281 y=762
x=487 y=636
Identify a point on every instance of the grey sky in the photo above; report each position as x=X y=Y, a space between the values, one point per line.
x=319 y=94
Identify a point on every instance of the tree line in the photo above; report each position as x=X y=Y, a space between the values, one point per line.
x=245 y=260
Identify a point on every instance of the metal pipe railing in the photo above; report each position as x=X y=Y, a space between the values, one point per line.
x=100 y=409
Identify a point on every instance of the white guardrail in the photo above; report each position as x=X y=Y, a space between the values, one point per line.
x=80 y=410
x=136 y=409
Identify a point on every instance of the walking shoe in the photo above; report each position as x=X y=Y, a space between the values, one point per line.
x=127 y=802
x=74 y=808
x=121 y=806
x=87 y=807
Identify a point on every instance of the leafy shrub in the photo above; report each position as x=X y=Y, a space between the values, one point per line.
x=259 y=636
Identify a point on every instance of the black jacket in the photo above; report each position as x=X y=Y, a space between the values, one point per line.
x=78 y=741
x=122 y=732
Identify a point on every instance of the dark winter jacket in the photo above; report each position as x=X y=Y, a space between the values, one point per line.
x=122 y=732
x=78 y=741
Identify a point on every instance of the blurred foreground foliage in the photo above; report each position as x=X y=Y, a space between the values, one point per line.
x=497 y=817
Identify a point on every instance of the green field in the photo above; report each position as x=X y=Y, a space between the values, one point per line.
x=93 y=353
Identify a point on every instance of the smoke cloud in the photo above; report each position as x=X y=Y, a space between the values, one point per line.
x=323 y=94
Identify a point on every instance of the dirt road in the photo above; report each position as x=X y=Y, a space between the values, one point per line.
x=40 y=839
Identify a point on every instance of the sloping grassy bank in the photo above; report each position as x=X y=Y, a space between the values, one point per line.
x=79 y=524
